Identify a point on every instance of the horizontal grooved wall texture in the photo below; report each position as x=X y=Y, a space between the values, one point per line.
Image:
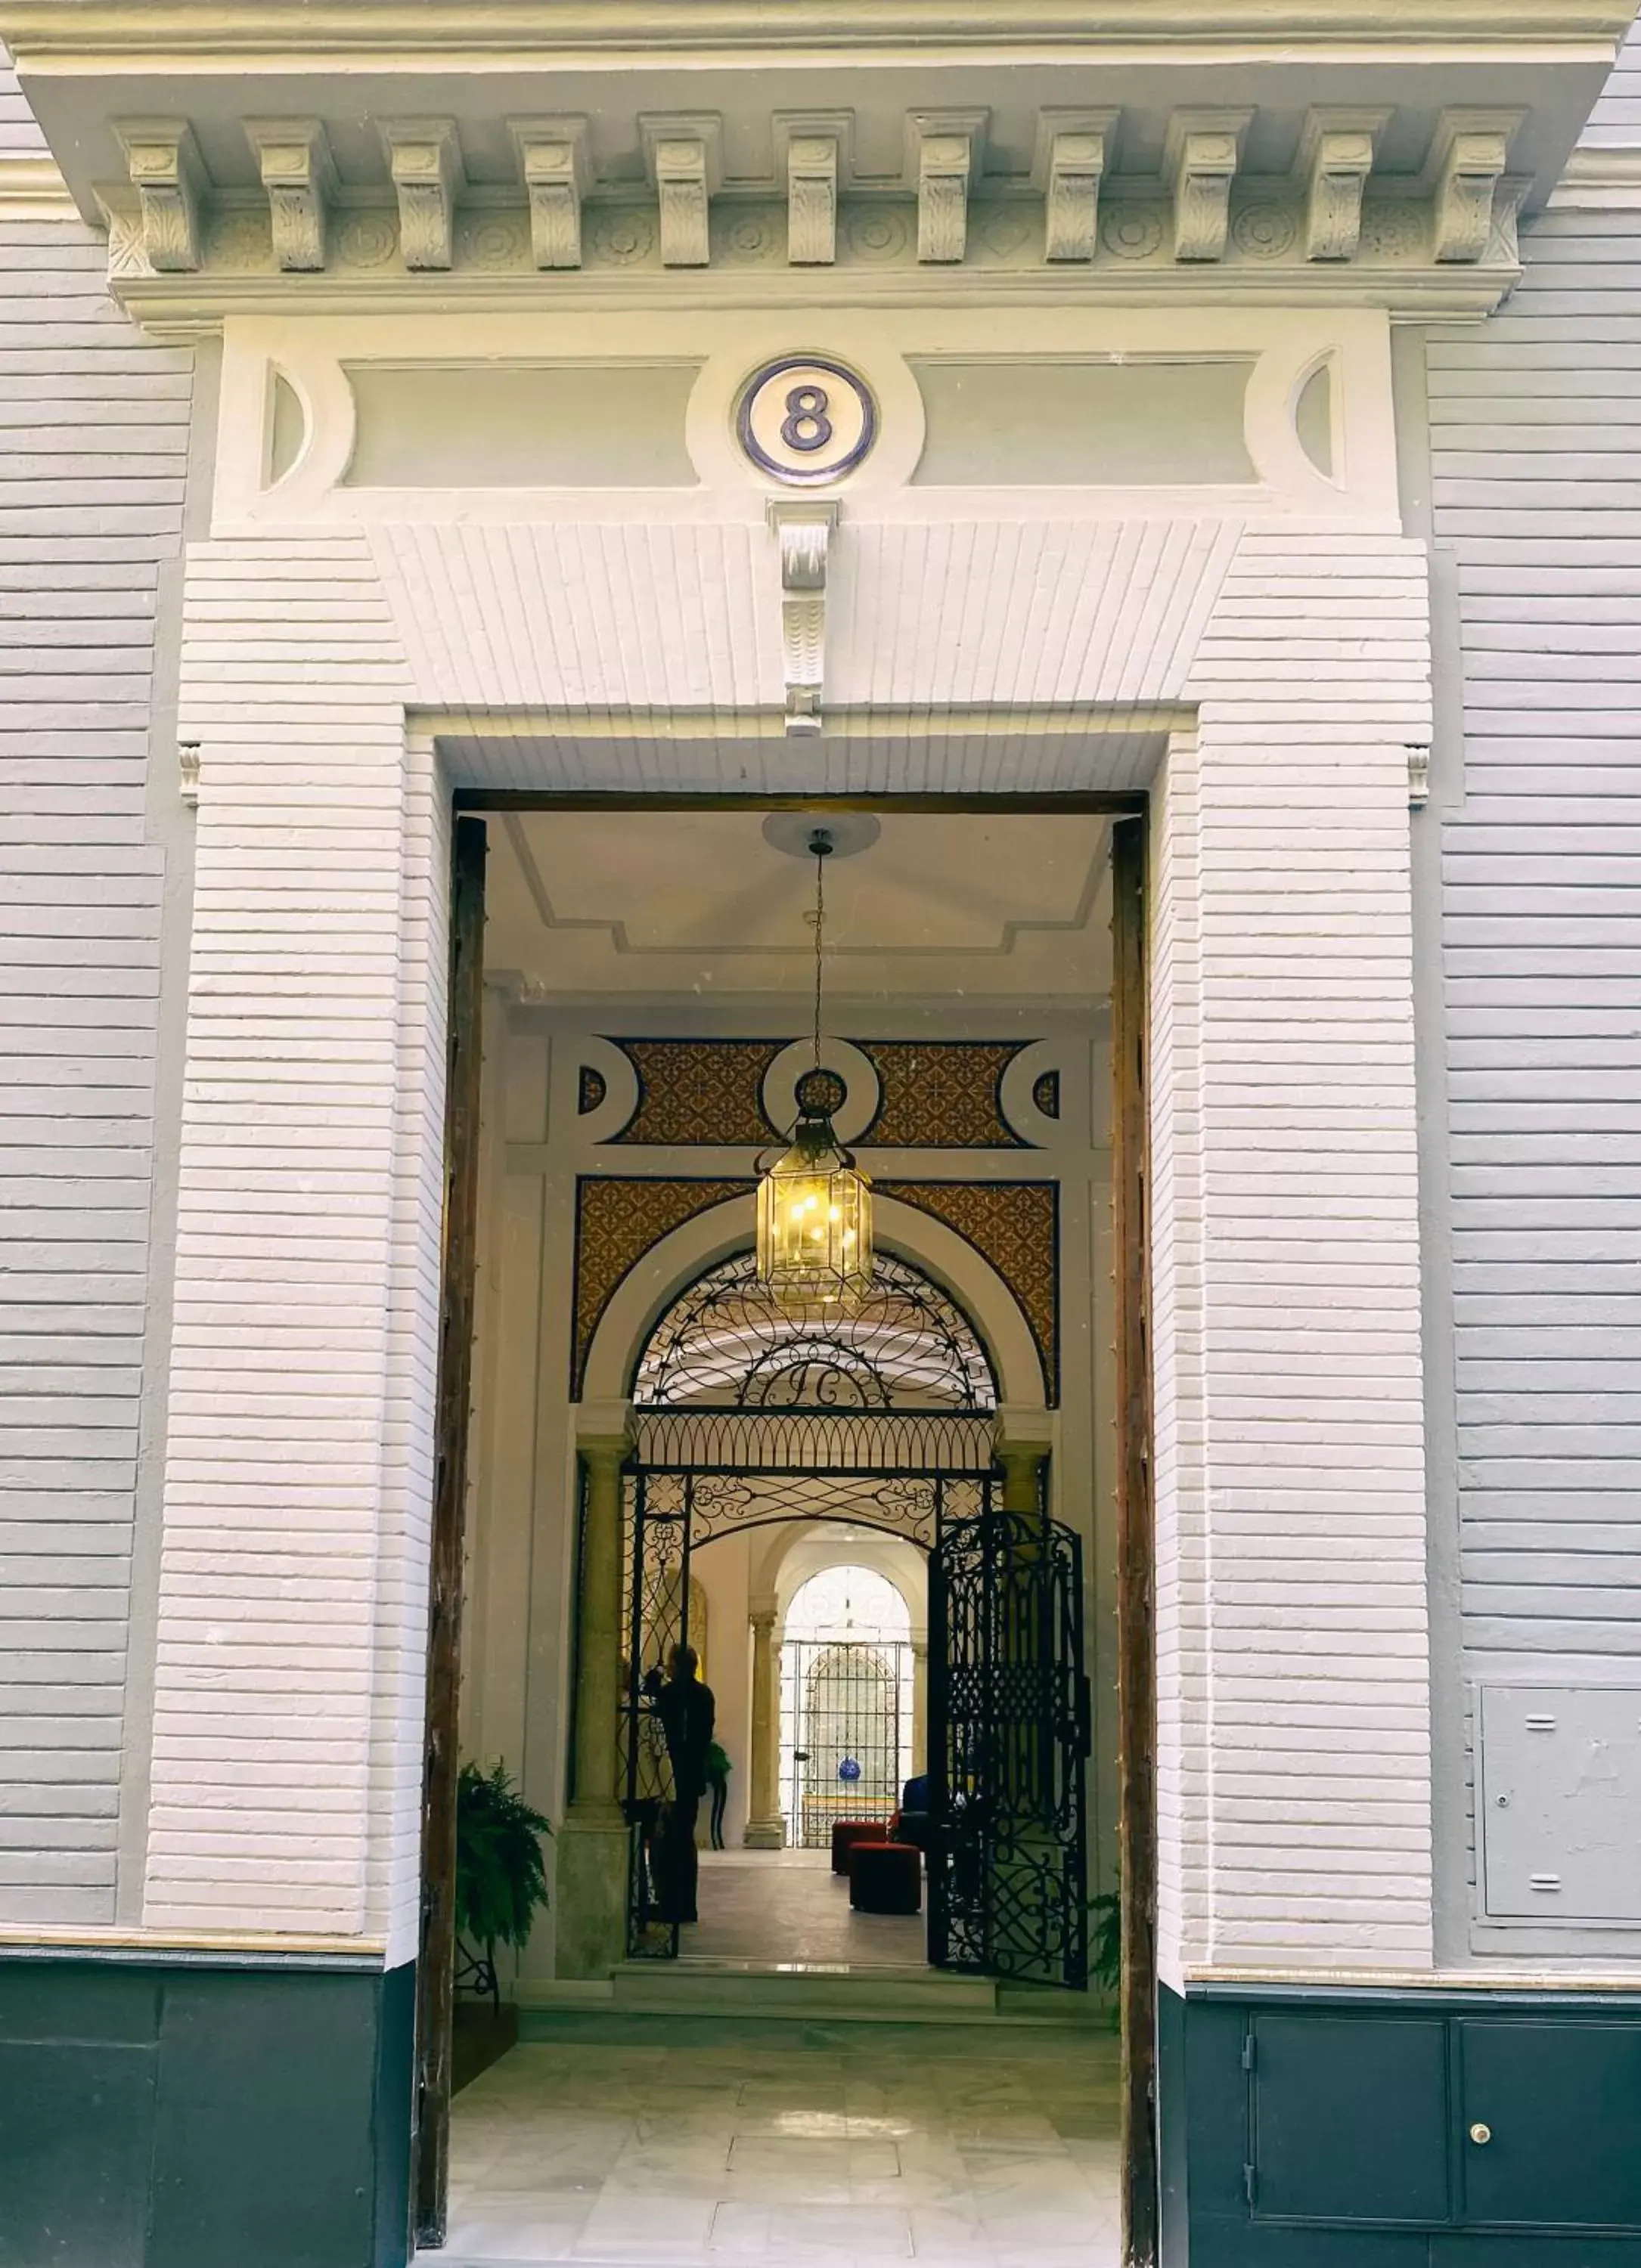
x=1294 y=1659
x=19 y=137
x=1615 y=121
x=288 y=1681
x=93 y=435
x=1536 y=467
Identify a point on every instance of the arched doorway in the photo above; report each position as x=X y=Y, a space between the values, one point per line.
x=747 y=1415
x=848 y=1702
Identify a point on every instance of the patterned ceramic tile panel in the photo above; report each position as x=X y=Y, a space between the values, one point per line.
x=699 y=1091
x=1016 y=1226
x=590 y=1091
x=940 y=1095
x=1046 y=1093
x=618 y=1218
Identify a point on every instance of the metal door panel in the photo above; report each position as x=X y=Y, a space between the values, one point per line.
x=1009 y=1742
x=1560 y=2104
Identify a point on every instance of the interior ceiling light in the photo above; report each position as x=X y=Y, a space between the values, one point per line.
x=814 y=1203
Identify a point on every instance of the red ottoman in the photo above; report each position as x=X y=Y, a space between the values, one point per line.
x=886 y=1878
x=846 y=1833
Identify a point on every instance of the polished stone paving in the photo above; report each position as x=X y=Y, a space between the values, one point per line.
x=631 y=2139
x=787 y=1906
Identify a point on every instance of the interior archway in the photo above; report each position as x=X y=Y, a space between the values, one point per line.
x=677 y=1260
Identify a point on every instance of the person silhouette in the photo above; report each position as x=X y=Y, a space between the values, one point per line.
x=717 y=1769
x=687 y=1711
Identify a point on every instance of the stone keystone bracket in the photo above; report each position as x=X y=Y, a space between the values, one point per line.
x=293 y=157
x=943 y=151
x=683 y=156
x=1200 y=160
x=804 y=531
x=1336 y=158
x=425 y=159
x=1066 y=171
x=165 y=169
x=552 y=157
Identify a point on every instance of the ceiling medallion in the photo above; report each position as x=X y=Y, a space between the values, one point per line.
x=805 y=420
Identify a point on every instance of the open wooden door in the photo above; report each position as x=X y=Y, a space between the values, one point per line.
x=1136 y=1632
x=435 y=1980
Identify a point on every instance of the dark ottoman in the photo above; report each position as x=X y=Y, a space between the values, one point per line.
x=846 y=1833
x=886 y=1878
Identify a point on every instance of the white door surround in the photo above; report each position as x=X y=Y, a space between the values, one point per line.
x=1265 y=671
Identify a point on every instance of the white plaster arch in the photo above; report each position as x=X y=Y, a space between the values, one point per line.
x=673 y=1263
x=810 y=1549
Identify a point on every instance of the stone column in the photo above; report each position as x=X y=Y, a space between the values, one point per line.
x=766 y=1829
x=592 y=1873
x=1023 y=1463
x=919 y=1707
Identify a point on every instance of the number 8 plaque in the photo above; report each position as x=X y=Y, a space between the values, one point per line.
x=806 y=421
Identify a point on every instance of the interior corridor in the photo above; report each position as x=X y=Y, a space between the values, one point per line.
x=633 y=2140
x=787 y=1908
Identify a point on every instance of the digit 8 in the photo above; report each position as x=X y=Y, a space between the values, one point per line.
x=806 y=425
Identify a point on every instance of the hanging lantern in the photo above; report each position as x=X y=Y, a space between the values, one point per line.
x=815 y=1210
x=814 y=1203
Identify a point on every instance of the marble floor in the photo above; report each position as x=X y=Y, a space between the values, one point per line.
x=631 y=2141
x=784 y=1907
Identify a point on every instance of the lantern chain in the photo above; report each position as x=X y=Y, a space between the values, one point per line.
x=821 y=844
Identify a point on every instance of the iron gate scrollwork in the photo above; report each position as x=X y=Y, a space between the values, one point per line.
x=1009 y=1745
x=656 y=1619
x=847 y=1702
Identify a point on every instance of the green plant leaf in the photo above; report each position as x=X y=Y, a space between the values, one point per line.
x=501 y=1878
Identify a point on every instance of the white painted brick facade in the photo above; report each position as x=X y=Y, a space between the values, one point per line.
x=296 y=1453
x=1535 y=457
x=1291 y=1459
x=94 y=440
x=1302 y=1684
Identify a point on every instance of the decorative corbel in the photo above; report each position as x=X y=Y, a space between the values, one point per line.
x=165 y=170
x=299 y=176
x=1418 y=779
x=1466 y=163
x=941 y=151
x=684 y=156
x=1066 y=171
x=813 y=149
x=552 y=156
x=1201 y=155
x=803 y=529
x=1336 y=158
x=425 y=158
x=188 y=774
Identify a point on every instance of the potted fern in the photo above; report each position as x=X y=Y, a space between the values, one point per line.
x=1105 y=1967
x=501 y=1878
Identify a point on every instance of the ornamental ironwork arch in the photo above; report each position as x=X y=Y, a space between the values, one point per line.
x=730 y=1380
x=726 y=1343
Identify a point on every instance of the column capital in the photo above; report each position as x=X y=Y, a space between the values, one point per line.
x=604 y=1430
x=1024 y=1429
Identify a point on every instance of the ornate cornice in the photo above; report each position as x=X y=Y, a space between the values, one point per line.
x=519 y=150
x=1440 y=242
x=32 y=189
x=1600 y=180
x=1298 y=29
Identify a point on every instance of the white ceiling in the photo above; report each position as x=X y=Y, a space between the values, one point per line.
x=698 y=904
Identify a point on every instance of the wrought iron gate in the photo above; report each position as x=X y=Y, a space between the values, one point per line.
x=847 y=1704
x=1009 y=1743
x=1008 y=1703
x=656 y=1618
